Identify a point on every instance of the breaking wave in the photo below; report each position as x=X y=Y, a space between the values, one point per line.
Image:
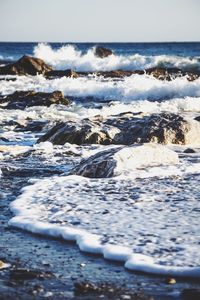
x=136 y=87
x=69 y=57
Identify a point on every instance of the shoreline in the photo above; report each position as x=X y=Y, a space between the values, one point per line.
x=66 y=266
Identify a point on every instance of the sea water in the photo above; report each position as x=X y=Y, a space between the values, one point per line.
x=145 y=216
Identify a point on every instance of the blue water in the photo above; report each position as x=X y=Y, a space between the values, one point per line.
x=13 y=51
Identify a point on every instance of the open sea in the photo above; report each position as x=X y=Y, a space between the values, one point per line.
x=145 y=216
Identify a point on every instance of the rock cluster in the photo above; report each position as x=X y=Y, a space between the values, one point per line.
x=22 y=99
x=28 y=65
x=126 y=129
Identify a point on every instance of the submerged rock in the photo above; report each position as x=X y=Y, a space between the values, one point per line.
x=22 y=99
x=27 y=274
x=26 y=65
x=103 y=52
x=114 y=161
x=126 y=129
x=189 y=150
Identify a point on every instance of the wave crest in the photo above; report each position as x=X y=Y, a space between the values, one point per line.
x=69 y=57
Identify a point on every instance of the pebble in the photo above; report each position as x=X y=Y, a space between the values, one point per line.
x=170 y=281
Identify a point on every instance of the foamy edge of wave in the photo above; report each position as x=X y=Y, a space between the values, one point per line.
x=90 y=243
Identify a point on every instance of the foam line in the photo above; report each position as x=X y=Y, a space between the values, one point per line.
x=90 y=243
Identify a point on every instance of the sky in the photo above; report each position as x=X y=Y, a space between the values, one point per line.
x=100 y=20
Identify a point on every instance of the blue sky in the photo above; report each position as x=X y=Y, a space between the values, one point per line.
x=99 y=20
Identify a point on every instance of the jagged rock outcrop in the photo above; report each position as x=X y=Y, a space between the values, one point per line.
x=22 y=99
x=164 y=128
x=85 y=132
x=127 y=129
x=26 y=65
x=102 y=52
x=114 y=161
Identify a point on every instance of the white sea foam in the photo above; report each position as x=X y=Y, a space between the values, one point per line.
x=55 y=207
x=69 y=57
x=136 y=87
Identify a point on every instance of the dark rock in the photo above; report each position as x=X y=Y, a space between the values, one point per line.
x=117 y=73
x=164 y=128
x=27 y=274
x=106 y=291
x=189 y=150
x=61 y=73
x=170 y=73
x=22 y=99
x=99 y=165
x=159 y=73
x=164 y=73
x=103 y=52
x=126 y=129
x=2 y=139
x=114 y=161
x=26 y=65
x=85 y=132
x=191 y=294
x=33 y=126
x=197 y=118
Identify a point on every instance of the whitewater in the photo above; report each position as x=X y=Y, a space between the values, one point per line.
x=147 y=214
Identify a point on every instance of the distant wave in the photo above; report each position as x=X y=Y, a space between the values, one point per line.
x=69 y=57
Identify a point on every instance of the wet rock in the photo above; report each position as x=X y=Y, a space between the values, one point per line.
x=164 y=128
x=170 y=73
x=26 y=65
x=126 y=129
x=103 y=52
x=115 y=161
x=27 y=274
x=164 y=73
x=197 y=119
x=22 y=99
x=170 y=280
x=106 y=291
x=86 y=132
x=33 y=126
x=117 y=73
x=3 y=265
x=189 y=150
x=159 y=73
x=191 y=294
x=61 y=73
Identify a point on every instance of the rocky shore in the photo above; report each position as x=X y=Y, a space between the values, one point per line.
x=32 y=267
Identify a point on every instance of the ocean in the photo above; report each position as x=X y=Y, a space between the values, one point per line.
x=146 y=214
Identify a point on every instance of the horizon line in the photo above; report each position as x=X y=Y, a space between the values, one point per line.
x=100 y=42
